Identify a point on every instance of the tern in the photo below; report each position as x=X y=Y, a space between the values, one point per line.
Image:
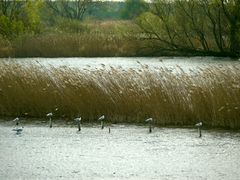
x=149 y=121
x=16 y=120
x=199 y=126
x=49 y=115
x=78 y=120
x=102 y=118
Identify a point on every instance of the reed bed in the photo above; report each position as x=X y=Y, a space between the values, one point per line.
x=75 y=39
x=171 y=97
x=74 y=45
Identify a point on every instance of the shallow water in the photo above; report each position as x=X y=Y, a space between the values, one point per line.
x=186 y=63
x=128 y=152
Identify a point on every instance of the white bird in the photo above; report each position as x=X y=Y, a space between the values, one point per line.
x=16 y=120
x=78 y=120
x=149 y=120
x=199 y=124
x=101 y=119
x=49 y=114
x=50 y=118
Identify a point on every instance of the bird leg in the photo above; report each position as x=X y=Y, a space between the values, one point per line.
x=200 y=132
x=50 y=122
x=102 y=124
x=79 y=126
x=150 y=128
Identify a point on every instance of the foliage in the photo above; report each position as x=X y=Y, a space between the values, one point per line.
x=19 y=17
x=73 y=9
x=180 y=27
x=10 y=28
x=134 y=8
x=202 y=27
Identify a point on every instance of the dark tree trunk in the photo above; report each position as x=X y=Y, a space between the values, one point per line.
x=234 y=39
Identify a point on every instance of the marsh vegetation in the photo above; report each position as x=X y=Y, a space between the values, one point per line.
x=173 y=95
x=89 y=28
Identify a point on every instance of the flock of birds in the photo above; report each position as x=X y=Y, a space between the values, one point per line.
x=101 y=119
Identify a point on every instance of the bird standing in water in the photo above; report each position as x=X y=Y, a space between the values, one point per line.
x=17 y=121
x=149 y=121
x=17 y=129
x=49 y=115
x=78 y=120
x=199 y=126
x=102 y=118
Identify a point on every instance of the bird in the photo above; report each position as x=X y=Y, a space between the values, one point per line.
x=49 y=115
x=16 y=120
x=78 y=120
x=149 y=120
x=199 y=126
x=102 y=118
x=18 y=130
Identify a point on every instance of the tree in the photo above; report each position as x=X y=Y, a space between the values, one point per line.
x=17 y=17
x=74 y=9
x=133 y=8
x=196 y=26
x=231 y=9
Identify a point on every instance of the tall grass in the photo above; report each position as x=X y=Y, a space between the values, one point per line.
x=211 y=95
x=76 y=39
x=75 y=45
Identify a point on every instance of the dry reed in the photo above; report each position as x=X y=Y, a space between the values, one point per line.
x=211 y=95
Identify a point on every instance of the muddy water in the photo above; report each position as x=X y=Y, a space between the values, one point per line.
x=128 y=152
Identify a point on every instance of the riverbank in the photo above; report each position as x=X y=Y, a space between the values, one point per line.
x=92 y=39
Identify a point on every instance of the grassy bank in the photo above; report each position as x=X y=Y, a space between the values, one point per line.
x=76 y=39
x=122 y=38
x=129 y=96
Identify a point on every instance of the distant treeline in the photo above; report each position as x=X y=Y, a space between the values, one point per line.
x=17 y=16
x=159 y=27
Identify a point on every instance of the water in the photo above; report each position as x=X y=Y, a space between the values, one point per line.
x=126 y=63
x=128 y=152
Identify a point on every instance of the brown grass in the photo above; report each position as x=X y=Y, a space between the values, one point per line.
x=76 y=39
x=75 y=45
x=211 y=96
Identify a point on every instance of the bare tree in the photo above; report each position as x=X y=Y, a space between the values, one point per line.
x=231 y=9
x=196 y=26
x=72 y=9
